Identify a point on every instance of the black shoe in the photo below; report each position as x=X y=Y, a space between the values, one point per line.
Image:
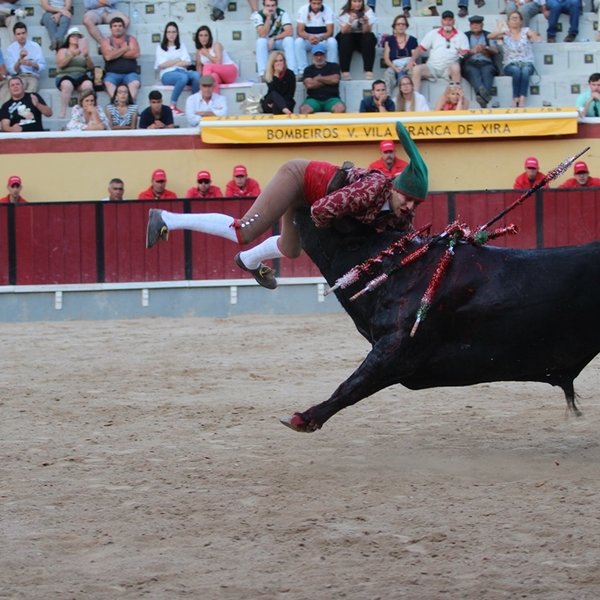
x=217 y=14
x=571 y=37
x=156 y=230
x=551 y=39
x=481 y=100
x=264 y=275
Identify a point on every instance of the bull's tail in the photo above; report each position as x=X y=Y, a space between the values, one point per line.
x=570 y=395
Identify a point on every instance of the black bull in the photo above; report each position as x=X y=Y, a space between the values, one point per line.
x=500 y=314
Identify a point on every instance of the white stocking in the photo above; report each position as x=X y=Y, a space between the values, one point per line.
x=211 y=223
x=263 y=251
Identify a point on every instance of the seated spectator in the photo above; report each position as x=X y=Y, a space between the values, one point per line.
x=157 y=115
x=116 y=190
x=446 y=46
x=212 y=59
x=313 y=26
x=101 y=11
x=122 y=112
x=553 y=9
x=281 y=86
x=397 y=52
x=526 y=8
x=4 y=95
x=204 y=187
x=389 y=164
x=379 y=100
x=23 y=110
x=158 y=188
x=588 y=102
x=356 y=33
x=25 y=58
x=531 y=176
x=173 y=60
x=86 y=116
x=241 y=186
x=205 y=103
x=478 y=65
x=452 y=98
x=408 y=100
x=14 y=187
x=275 y=32
x=56 y=18
x=581 y=177
x=10 y=13
x=322 y=83
x=72 y=66
x=120 y=52
x=517 y=54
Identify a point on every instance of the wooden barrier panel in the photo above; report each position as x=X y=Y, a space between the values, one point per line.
x=5 y=234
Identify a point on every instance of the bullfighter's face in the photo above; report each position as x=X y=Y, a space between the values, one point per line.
x=403 y=205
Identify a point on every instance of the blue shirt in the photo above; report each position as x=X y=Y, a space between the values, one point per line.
x=368 y=105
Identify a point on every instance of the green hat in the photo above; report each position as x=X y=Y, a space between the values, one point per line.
x=414 y=180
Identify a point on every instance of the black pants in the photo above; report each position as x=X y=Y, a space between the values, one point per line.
x=274 y=103
x=362 y=42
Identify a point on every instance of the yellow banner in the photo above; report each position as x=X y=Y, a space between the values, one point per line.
x=368 y=127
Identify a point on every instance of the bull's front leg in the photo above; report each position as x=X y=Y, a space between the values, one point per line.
x=382 y=367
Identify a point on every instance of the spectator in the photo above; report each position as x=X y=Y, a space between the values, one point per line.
x=86 y=116
x=389 y=164
x=581 y=177
x=322 y=83
x=356 y=33
x=157 y=189
x=588 y=102
x=204 y=187
x=553 y=9
x=281 y=86
x=463 y=8
x=452 y=98
x=397 y=52
x=446 y=47
x=242 y=186
x=157 y=115
x=313 y=26
x=73 y=63
x=116 y=190
x=14 y=187
x=478 y=66
x=275 y=32
x=10 y=13
x=408 y=100
x=173 y=60
x=517 y=54
x=379 y=100
x=101 y=11
x=23 y=110
x=120 y=52
x=122 y=112
x=212 y=59
x=526 y=8
x=205 y=103
x=4 y=95
x=25 y=58
x=56 y=18
x=530 y=177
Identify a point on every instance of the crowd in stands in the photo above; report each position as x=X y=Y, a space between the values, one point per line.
x=316 y=52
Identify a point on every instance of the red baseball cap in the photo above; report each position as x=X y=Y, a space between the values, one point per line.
x=387 y=146
x=532 y=163
x=580 y=167
x=203 y=175
x=159 y=175
x=16 y=180
x=239 y=170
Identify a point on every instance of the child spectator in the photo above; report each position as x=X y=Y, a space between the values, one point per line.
x=452 y=98
x=588 y=102
x=157 y=115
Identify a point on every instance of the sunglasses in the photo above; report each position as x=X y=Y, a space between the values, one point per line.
x=203 y=180
x=160 y=181
x=15 y=185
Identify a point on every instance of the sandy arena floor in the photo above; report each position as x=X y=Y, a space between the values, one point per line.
x=144 y=459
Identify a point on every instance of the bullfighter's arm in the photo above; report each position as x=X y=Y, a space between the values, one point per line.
x=361 y=197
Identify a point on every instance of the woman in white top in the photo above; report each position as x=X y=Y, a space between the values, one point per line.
x=173 y=60
x=212 y=59
x=408 y=100
x=356 y=33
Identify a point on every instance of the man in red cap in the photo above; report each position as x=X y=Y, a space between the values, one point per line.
x=157 y=189
x=581 y=177
x=14 y=187
x=204 y=187
x=531 y=176
x=389 y=164
x=241 y=186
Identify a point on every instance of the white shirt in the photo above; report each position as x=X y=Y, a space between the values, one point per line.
x=309 y=19
x=34 y=52
x=369 y=15
x=171 y=53
x=195 y=104
x=443 y=52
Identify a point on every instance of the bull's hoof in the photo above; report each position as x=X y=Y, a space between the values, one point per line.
x=297 y=423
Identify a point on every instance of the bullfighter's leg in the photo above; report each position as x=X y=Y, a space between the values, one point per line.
x=370 y=377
